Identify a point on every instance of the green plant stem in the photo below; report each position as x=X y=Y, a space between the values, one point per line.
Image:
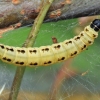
x=28 y=43
x=31 y=38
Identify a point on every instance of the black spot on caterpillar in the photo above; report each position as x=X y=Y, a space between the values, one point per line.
x=11 y=49
x=46 y=55
x=45 y=49
x=33 y=63
x=57 y=46
x=34 y=51
x=69 y=42
x=20 y=63
x=2 y=46
x=7 y=59
x=60 y=59
x=22 y=51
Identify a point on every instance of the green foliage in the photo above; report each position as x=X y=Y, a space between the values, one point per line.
x=61 y=30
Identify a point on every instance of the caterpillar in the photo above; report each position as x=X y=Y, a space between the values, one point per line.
x=46 y=55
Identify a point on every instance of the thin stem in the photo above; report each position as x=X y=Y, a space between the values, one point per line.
x=29 y=42
x=31 y=38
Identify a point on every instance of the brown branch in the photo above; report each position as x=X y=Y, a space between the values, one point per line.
x=27 y=10
x=78 y=8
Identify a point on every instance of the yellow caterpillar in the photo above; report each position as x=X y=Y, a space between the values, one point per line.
x=46 y=55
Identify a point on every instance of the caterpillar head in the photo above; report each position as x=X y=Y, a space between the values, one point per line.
x=95 y=25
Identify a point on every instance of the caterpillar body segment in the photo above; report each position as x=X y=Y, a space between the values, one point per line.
x=22 y=59
x=59 y=52
x=34 y=57
x=9 y=54
x=71 y=48
x=46 y=55
x=2 y=50
x=86 y=38
x=79 y=43
x=89 y=31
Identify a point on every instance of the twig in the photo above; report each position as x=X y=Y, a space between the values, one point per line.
x=64 y=73
x=29 y=42
x=54 y=40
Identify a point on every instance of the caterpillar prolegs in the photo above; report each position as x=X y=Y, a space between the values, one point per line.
x=46 y=55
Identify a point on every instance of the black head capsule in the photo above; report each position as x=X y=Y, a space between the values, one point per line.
x=95 y=25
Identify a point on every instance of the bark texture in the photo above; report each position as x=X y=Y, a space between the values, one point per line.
x=25 y=11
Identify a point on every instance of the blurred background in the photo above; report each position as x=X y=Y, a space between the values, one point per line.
x=75 y=79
